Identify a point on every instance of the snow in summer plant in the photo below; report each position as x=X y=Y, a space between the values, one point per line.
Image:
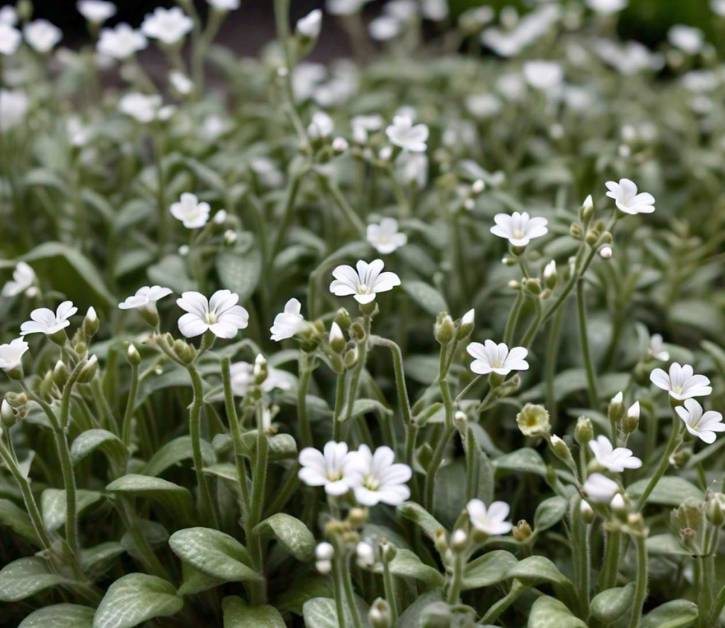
x=430 y=336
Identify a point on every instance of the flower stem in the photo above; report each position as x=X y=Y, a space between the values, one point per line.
x=454 y=589
x=640 y=591
x=584 y=343
x=305 y=371
x=389 y=586
x=608 y=578
x=130 y=405
x=349 y=593
x=672 y=444
x=339 y=403
x=233 y=419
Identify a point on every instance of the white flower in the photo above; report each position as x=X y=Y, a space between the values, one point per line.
x=600 y=489
x=364 y=554
x=121 y=42
x=143 y=108
x=192 y=213
x=410 y=167
x=321 y=125
x=361 y=125
x=289 y=322
x=519 y=228
x=242 y=375
x=717 y=6
x=489 y=520
x=13 y=107
x=220 y=314
x=8 y=15
x=607 y=7
x=330 y=468
x=309 y=26
x=627 y=200
x=384 y=27
x=681 y=382
x=144 y=297
x=492 y=358
x=344 y=7
x=701 y=424
x=324 y=551
x=377 y=478
x=687 y=38
x=267 y=171
x=46 y=321
x=614 y=459
x=606 y=251
x=96 y=11
x=11 y=354
x=483 y=105
x=41 y=35
x=544 y=75
x=657 y=348
x=181 y=83
x=435 y=10
x=169 y=26
x=385 y=237
x=364 y=283
x=9 y=39
x=23 y=278
x=224 y=5
x=406 y=135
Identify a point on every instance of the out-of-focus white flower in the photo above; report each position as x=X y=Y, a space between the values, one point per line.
x=491 y=520
x=363 y=282
x=627 y=58
x=687 y=38
x=435 y=10
x=23 y=278
x=96 y=11
x=169 y=26
x=657 y=348
x=525 y=32
x=543 y=75
x=408 y=136
x=600 y=489
x=144 y=297
x=519 y=228
x=289 y=322
x=681 y=382
x=143 y=108
x=214 y=126
x=385 y=237
x=242 y=375
x=221 y=315
x=615 y=459
x=320 y=126
x=45 y=321
x=496 y=358
x=384 y=28
x=483 y=105
x=8 y=15
x=362 y=125
x=13 y=107
x=267 y=171
x=181 y=83
x=120 y=42
x=607 y=7
x=309 y=26
x=11 y=354
x=376 y=478
x=330 y=468
x=410 y=167
x=9 y=39
x=344 y=7
x=78 y=132
x=700 y=81
x=364 y=554
x=718 y=7
x=42 y=36
x=606 y=252
x=224 y=5
x=627 y=200
x=192 y=213
x=702 y=425
x=305 y=79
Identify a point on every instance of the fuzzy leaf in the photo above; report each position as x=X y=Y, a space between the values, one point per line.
x=60 y=616
x=491 y=568
x=237 y=614
x=427 y=297
x=53 y=505
x=292 y=533
x=548 y=612
x=420 y=516
x=90 y=440
x=25 y=577
x=549 y=513
x=174 y=452
x=669 y=491
x=15 y=518
x=674 y=614
x=611 y=604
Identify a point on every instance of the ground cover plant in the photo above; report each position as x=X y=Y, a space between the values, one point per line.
x=431 y=336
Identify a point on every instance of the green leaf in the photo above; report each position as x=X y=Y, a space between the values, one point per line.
x=15 y=518
x=491 y=568
x=548 y=612
x=87 y=442
x=573 y=380
x=174 y=452
x=411 y=618
x=239 y=270
x=171 y=271
x=53 y=505
x=427 y=297
x=549 y=513
x=173 y=497
x=292 y=533
x=214 y=553
x=281 y=446
x=524 y=460
x=407 y=564
x=237 y=614
x=365 y=406
x=674 y=614
x=304 y=586
x=60 y=616
x=669 y=491
x=134 y=599
x=535 y=569
x=25 y=577
x=610 y=605
x=98 y=559
x=421 y=517
x=70 y=272
x=195 y=581
x=667 y=544
x=321 y=612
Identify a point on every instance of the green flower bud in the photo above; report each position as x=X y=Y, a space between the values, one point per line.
x=715 y=509
x=465 y=327
x=444 y=329
x=351 y=357
x=561 y=449
x=89 y=370
x=586 y=511
x=576 y=231
x=342 y=318
x=615 y=410
x=522 y=531
x=336 y=339
x=90 y=323
x=584 y=431
x=183 y=351
x=8 y=414
x=132 y=355
x=380 y=615
x=533 y=421
x=60 y=374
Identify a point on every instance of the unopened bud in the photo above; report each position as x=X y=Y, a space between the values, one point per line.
x=60 y=374
x=459 y=540
x=478 y=186
x=380 y=615
x=586 y=511
x=132 y=355
x=592 y=237
x=184 y=352
x=365 y=554
x=324 y=551
x=583 y=432
x=340 y=145
x=587 y=209
x=351 y=357
x=342 y=318
x=533 y=286
x=715 y=509
x=606 y=252
x=444 y=329
x=631 y=419
x=576 y=231
x=90 y=323
x=88 y=372
x=551 y=277
x=522 y=531
x=323 y=567
x=616 y=408
x=465 y=327
x=336 y=338
x=617 y=504
x=357 y=517
x=561 y=449
x=8 y=414
x=260 y=370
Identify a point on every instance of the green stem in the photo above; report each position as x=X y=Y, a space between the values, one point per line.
x=493 y=613
x=305 y=370
x=130 y=405
x=358 y=369
x=608 y=578
x=233 y=419
x=339 y=404
x=389 y=587
x=672 y=444
x=347 y=211
x=640 y=591
x=584 y=343
x=349 y=594
x=552 y=352
x=454 y=589
x=513 y=319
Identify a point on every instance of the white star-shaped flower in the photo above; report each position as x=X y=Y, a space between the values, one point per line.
x=600 y=489
x=220 y=314
x=491 y=520
x=121 y=42
x=11 y=354
x=309 y=26
x=169 y=26
x=143 y=108
x=543 y=75
x=701 y=424
x=615 y=459
x=681 y=382
x=42 y=36
x=242 y=377
x=364 y=283
x=406 y=135
x=496 y=358
x=9 y=39
x=627 y=200
x=23 y=278
x=192 y=213
x=96 y=11
x=330 y=468
x=45 y=321
x=519 y=228
x=376 y=478
x=657 y=348
x=385 y=237
x=289 y=322
x=144 y=297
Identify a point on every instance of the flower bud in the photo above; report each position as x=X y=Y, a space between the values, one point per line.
x=478 y=186
x=357 y=331
x=583 y=432
x=586 y=511
x=587 y=209
x=89 y=370
x=342 y=318
x=551 y=277
x=324 y=551
x=576 y=231
x=618 y=505
x=340 y=145
x=615 y=411
x=440 y=541
x=132 y=355
x=715 y=509
x=459 y=540
x=8 y=414
x=60 y=374
x=336 y=339
x=365 y=554
x=183 y=351
x=90 y=323
x=230 y=237
x=522 y=531
x=46 y=386
x=606 y=252
x=351 y=357
x=357 y=517
x=387 y=551
x=592 y=237
x=465 y=327
x=323 y=567
x=444 y=329
x=260 y=370
x=533 y=421
x=631 y=419
x=561 y=449
x=533 y=286
x=380 y=615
